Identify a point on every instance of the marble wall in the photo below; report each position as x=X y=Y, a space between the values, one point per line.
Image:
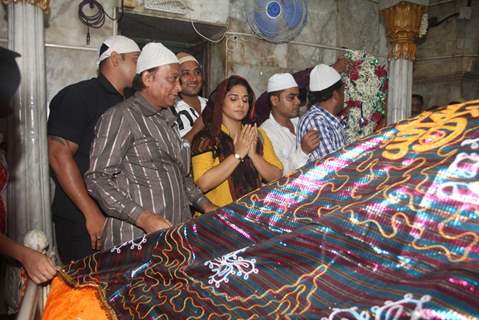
x=447 y=64
x=336 y=23
x=64 y=28
x=3 y=26
x=69 y=58
x=194 y=9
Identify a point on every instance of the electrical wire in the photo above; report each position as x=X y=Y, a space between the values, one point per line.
x=209 y=39
x=97 y=19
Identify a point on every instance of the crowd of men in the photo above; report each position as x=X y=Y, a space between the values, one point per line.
x=121 y=163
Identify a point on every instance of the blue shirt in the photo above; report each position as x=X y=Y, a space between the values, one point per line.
x=329 y=128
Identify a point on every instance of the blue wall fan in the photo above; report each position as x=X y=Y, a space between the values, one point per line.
x=277 y=20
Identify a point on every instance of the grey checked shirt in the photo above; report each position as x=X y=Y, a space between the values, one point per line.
x=138 y=161
x=330 y=131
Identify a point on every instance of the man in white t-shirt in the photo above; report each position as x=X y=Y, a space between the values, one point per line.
x=190 y=105
x=282 y=123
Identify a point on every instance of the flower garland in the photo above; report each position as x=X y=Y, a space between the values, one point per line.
x=424 y=25
x=365 y=92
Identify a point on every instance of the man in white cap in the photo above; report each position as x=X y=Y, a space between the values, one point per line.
x=139 y=165
x=74 y=112
x=190 y=105
x=283 y=120
x=327 y=99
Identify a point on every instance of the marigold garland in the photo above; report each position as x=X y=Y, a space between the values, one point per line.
x=366 y=86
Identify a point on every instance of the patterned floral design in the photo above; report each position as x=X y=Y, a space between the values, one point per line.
x=407 y=308
x=230 y=264
x=134 y=244
x=365 y=93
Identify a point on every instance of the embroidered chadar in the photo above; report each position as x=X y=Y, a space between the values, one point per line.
x=385 y=227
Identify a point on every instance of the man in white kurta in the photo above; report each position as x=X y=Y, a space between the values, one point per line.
x=282 y=123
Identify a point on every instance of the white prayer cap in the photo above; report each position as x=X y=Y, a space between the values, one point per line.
x=153 y=55
x=322 y=77
x=281 y=81
x=184 y=57
x=118 y=44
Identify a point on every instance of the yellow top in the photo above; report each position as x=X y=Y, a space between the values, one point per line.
x=221 y=195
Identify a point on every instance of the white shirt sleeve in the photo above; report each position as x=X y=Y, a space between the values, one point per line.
x=297 y=159
x=284 y=144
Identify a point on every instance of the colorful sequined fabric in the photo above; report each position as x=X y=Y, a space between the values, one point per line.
x=386 y=228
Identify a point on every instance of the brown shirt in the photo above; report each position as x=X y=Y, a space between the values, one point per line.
x=138 y=161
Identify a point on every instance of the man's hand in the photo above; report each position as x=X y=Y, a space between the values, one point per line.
x=95 y=224
x=151 y=222
x=61 y=154
x=198 y=125
x=38 y=266
x=310 y=141
x=342 y=65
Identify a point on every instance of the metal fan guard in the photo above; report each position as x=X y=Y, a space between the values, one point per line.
x=277 y=20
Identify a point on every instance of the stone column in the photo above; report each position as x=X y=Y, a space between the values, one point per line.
x=28 y=187
x=402 y=20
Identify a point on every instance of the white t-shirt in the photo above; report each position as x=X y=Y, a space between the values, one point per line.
x=284 y=144
x=186 y=115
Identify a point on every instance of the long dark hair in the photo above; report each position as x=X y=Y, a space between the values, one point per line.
x=213 y=113
x=245 y=177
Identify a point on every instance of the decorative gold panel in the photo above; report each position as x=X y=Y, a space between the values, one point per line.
x=402 y=23
x=43 y=4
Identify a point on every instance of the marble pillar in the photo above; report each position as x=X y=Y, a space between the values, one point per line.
x=28 y=188
x=400 y=90
x=402 y=20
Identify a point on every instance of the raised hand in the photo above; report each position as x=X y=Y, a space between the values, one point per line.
x=342 y=65
x=242 y=142
x=254 y=141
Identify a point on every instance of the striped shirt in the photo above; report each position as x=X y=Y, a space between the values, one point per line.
x=138 y=161
x=329 y=128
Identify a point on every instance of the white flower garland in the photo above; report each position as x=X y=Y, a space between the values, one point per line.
x=365 y=92
x=424 y=25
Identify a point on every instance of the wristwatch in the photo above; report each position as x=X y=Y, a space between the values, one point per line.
x=237 y=156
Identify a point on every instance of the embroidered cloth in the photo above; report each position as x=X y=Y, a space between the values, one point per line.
x=385 y=228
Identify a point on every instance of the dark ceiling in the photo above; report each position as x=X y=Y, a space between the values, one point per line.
x=172 y=32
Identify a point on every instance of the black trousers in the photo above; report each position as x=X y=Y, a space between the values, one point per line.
x=73 y=240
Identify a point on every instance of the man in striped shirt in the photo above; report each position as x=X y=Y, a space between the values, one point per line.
x=139 y=165
x=327 y=100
